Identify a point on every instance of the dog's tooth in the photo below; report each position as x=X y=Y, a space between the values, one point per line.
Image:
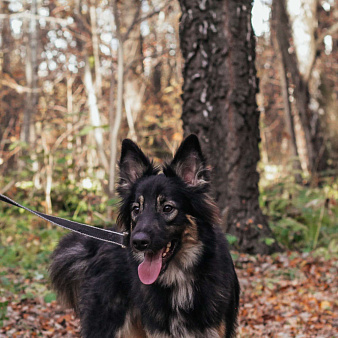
x=169 y=245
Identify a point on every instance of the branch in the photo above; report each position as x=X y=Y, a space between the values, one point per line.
x=137 y=14
x=330 y=31
x=27 y=15
x=7 y=186
x=146 y=17
x=153 y=56
x=63 y=136
x=20 y=89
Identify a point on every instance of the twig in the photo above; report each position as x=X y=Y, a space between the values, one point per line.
x=27 y=15
x=171 y=148
x=137 y=14
x=321 y=216
x=20 y=89
x=7 y=187
x=154 y=13
x=65 y=135
x=101 y=217
x=146 y=17
x=331 y=30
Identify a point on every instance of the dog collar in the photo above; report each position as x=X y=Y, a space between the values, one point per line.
x=105 y=235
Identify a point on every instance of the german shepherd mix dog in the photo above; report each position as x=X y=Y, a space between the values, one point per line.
x=176 y=278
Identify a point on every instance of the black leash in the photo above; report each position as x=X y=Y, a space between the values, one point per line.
x=83 y=229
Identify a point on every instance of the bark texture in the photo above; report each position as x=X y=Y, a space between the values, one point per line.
x=219 y=105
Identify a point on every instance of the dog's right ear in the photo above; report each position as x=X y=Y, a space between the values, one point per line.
x=189 y=163
x=133 y=164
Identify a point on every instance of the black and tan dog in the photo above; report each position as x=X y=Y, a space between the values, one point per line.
x=176 y=278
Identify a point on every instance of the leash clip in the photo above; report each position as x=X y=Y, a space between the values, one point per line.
x=124 y=244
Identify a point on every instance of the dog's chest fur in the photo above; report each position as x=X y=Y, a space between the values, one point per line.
x=180 y=301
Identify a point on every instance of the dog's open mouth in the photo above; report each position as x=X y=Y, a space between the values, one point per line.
x=155 y=262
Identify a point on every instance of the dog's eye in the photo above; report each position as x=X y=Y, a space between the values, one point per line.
x=168 y=208
x=136 y=209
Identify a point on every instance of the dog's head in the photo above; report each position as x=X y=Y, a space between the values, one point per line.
x=160 y=207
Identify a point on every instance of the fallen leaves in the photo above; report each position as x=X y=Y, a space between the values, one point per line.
x=34 y=317
x=288 y=295
x=284 y=295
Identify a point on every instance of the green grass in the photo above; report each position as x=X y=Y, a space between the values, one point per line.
x=25 y=248
x=303 y=217
x=26 y=241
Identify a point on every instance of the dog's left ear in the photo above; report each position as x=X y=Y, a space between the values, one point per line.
x=189 y=162
x=133 y=165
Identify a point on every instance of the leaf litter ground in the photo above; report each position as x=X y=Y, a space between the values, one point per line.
x=285 y=295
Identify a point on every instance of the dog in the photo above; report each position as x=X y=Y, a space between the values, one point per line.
x=176 y=278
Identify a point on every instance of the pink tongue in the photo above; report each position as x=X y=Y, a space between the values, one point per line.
x=150 y=268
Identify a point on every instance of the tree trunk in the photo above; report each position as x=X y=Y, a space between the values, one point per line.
x=27 y=133
x=96 y=50
x=304 y=23
x=133 y=87
x=219 y=105
x=6 y=47
x=309 y=119
x=94 y=114
x=115 y=121
x=115 y=127
x=284 y=81
x=290 y=126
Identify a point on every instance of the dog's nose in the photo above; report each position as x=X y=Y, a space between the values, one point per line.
x=141 y=241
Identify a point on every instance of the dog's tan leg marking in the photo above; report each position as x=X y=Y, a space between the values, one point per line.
x=222 y=330
x=137 y=331
x=132 y=327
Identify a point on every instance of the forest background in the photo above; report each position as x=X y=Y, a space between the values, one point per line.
x=76 y=77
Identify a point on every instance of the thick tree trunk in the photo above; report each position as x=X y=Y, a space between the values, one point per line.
x=219 y=105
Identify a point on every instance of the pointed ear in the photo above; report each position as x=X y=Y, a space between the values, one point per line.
x=133 y=164
x=189 y=162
